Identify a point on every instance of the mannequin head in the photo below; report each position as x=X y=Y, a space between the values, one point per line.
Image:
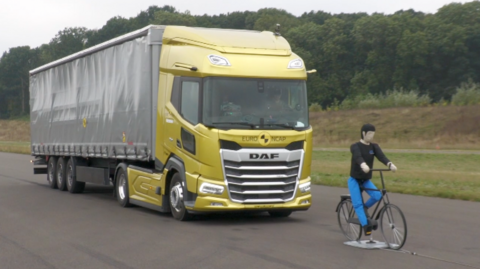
x=367 y=133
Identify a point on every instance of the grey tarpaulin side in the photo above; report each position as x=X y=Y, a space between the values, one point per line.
x=100 y=102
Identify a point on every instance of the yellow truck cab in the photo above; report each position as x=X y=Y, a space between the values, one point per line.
x=220 y=125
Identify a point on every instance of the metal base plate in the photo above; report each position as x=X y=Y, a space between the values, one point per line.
x=368 y=244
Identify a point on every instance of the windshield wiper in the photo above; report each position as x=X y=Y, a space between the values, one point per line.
x=236 y=123
x=282 y=125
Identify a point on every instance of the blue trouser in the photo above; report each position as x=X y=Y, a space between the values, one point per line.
x=357 y=200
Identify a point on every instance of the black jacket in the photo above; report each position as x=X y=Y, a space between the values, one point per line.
x=365 y=153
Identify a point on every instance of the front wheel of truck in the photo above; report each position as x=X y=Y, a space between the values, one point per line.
x=52 y=172
x=121 y=186
x=177 y=205
x=280 y=214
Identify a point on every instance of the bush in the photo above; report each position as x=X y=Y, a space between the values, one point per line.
x=335 y=105
x=401 y=98
x=395 y=98
x=315 y=107
x=468 y=93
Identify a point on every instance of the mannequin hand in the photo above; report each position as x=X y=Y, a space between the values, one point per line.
x=365 y=168
x=392 y=167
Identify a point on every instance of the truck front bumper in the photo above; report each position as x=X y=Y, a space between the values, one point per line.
x=214 y=204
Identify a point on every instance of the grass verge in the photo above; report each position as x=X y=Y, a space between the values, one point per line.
x=15 y=147
x=454 y=176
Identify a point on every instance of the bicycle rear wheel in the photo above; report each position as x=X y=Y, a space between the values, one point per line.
x=346 y=212
x=394 y=226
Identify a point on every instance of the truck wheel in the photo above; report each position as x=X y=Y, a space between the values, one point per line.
x=52 y=172
x=176 y=199
x=121 y=188
x=73 y=186
x=280 y=214
x=61 y=174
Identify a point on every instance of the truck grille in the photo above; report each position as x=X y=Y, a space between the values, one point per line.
x=262 y=181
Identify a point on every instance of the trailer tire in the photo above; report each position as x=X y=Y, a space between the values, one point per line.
x=52 y=172
x=121 y=186
x=280 y=214
x=61 y=174
x=73 y=186
x=175 y=198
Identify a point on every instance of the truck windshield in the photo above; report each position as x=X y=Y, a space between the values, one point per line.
x=244 y=103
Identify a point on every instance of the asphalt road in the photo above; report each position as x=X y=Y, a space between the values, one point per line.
x=45 y=228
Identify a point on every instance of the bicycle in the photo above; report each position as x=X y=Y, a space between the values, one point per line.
x=391 y=219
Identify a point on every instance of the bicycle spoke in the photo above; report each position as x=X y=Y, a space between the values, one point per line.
x=345 y=213
x=393 y=226
x=398 y=235
x=354 y=231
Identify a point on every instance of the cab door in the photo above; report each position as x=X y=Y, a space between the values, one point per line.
x=182 y=114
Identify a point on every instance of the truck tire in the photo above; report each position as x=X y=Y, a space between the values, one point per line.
x=73 y=186
x=280 y=214
x=175 y=198
x=52 y=172
x=121 y=186
x=61 y=174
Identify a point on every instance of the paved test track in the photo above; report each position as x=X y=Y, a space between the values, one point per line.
x=45 y=228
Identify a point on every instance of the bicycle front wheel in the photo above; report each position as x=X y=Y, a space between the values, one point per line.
x=394 y=226
x=346 y=212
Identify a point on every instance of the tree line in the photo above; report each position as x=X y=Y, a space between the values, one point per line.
x=354 y=54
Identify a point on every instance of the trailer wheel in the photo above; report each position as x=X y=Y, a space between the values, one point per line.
x=121 y=187
x=61 y=174
x=280 y=214
x=177 y=205
x=73 y=186
x=52 y=172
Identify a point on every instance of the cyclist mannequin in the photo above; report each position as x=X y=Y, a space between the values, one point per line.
x=363 y=153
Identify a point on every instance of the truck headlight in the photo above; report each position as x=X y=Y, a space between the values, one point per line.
x=304 y=187
x=218 y=60
x=211 y=188
x=295 y=64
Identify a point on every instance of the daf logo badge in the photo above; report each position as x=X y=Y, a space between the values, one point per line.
x=264 y=139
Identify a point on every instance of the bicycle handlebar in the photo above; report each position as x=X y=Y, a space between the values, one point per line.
x=375 y=170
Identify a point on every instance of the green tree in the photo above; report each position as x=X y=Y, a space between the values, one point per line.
x=449 y=64
x=68 y=41
x=144 y=18
x=115 y=27
x=266 y=20
x=411 y=61
x=174 y=18
x=375 y=39
x=317 y=17
x=14 y=80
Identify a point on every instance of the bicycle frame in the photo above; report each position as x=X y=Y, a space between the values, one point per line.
x=384 y=198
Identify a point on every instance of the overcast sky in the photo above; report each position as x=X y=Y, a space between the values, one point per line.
x=35 y=22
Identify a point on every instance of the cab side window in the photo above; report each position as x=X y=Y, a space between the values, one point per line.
x=185 y=98
x=189 y=103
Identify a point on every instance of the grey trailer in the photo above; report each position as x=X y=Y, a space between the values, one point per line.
x=96 y=108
